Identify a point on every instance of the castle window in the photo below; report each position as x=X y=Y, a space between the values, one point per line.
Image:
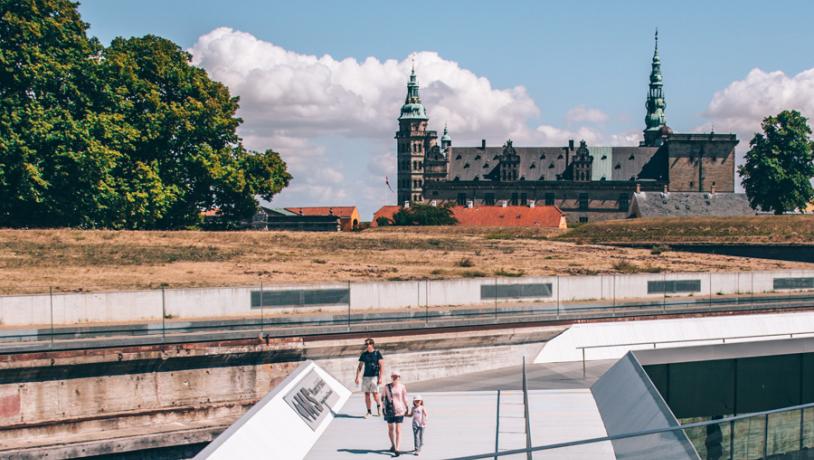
x=559 y=157
x=477 y=157
x=456 y=178
x=489 y=199
x=476 y=178
x=549 y=199
x=583 y=201
x=466 y=165
x=692 y=184
x=583 y=219
x=458 y=157
x=624 y=202
x=542 y=157
x=551 y=166
x=604 y=157
x=631 y=157
x=618 y=166
x=542 y=177
x=486 y=165
x=532 y=166
x=496 y=157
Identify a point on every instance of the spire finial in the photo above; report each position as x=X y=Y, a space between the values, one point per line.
x=413 y=67
x=656 y=52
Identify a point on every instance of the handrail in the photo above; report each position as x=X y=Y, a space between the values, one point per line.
x=655 y=342
x=615 y=437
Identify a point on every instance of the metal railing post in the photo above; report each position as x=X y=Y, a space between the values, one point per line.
x=766 y=436
x=495 y=295
x=51 y=300
x=426 y=303
x=558 y=296
x=261 y=307
x=613 y=310
x=710 y=290
x=731 y=440
x=163 y=315
x=664 y=293
x=497 y=426
x=526 y=411
x=348 y=306
x=583 y=363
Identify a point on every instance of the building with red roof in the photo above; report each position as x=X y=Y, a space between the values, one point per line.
x=494 y=216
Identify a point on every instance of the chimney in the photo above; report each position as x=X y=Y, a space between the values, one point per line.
x=638 y=187
x=470 y=204
x=406 y=205
x=570 y=144
x=483 y=144
x=503 y=203
x=434 y=203
x=531 y=203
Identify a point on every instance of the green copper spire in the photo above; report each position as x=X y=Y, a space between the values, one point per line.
x=655 y=104
x=413 y=109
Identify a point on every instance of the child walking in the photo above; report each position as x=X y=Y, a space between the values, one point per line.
x=420 y=416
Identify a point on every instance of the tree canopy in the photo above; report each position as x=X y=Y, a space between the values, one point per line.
x=422 y=214
x=779 y=164
x=126 y=136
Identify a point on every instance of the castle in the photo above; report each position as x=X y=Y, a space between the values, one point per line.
x=587 y=182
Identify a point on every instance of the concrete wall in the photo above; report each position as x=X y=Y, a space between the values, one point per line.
x=79 y=308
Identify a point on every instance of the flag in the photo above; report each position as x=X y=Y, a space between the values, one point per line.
x=387 y=182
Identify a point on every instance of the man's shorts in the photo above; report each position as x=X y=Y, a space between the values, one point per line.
x=394 y=419
x=370 y=384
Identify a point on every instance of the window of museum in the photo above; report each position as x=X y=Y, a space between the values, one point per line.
x=489 y=199
x=624 y=202
x=462 y=199
x=515 y=199
x=583 y=220
x=583 y=201
x=549 y=199
x=524 y=198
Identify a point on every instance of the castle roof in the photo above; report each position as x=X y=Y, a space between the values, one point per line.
x=343 y=212
x=547 y=163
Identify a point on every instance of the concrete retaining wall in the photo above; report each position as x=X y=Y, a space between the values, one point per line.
x=150 y=305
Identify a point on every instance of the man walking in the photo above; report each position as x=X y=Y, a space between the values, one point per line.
x=373 y=363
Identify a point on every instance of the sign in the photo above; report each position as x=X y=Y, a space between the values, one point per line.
x=312 y=399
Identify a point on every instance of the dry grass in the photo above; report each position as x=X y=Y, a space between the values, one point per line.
x=76 y=260
x=754 y=229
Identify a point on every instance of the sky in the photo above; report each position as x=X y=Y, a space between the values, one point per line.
x=322 y=82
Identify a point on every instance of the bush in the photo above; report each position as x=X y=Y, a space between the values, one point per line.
x=422 y=214
x=383 y=221
x=466 y=262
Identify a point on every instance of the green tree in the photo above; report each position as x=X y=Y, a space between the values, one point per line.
x=779 y=164
x=422 y=214
x=129 y=136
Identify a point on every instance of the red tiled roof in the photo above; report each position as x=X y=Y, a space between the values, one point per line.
x=384 y=211
x=344 y=212
x=510 y=216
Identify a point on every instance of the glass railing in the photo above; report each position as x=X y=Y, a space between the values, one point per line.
x=786 y=433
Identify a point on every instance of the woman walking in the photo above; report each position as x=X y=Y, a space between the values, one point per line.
x=395 y=408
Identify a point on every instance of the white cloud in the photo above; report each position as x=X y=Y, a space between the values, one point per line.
x=582 y=114
x=741 y=106
x=300 y=105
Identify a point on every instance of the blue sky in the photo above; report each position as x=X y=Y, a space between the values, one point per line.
x=594 y=55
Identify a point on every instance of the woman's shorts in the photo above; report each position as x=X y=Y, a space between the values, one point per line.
x=394 y=419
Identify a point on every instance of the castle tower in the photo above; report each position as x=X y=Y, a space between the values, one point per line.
x=654 y=120
x=411 y=144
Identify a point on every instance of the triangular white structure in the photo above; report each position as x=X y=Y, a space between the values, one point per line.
x=287 y=422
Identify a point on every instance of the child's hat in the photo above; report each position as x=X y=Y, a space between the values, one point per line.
x=417 y=398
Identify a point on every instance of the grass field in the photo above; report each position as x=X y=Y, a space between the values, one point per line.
x=753 y=229
x=85 y=260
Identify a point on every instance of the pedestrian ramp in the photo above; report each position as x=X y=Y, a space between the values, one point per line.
x=600 y=341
